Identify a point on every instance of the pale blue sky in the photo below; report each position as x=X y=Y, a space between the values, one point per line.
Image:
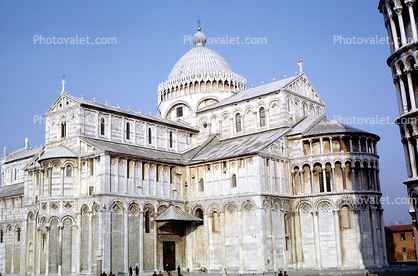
x=353 y=80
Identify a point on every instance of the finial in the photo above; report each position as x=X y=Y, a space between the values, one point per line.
x=285 y=77
x=129 y=108
x=82 y=97
x=107 y=103
x=150 y=113
x=94 y=99
x=198 y=24
x=300 y=63
x=26 y=142
x=117 y=105
x=4 y=150
x=274 y=80
x=262 y=83
x=63 y=83
x=252 y=85
x=139 y=111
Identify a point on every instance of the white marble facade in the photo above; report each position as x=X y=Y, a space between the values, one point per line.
x=278 y=186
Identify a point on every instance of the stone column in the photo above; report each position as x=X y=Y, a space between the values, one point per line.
x=141 y=241
x=240 y=240
x=361 y=184
x=310 y=146
x=60 y=227
x=392 y=27
x=37 y=261
x=317 y=240
x=116 y=175
x=49 y=180
x=375 y=245
x=330 y=144
x=324 y=180
x=125 y=180
x=89 y=218
x=334 y=185
x=312 y=181
x=403 y=93
x=12 y=253
x=155 y=244
x=358 y=238
x=321 y=144
x=411 y=89
x=412 y=18
x=343 y=175
x=398 y=10
x=62 y=180
x=78 y=249
x=337 y=238
x=382 y=236
x=351 y=144
x=353 y=173
x=48 y=229
x=126 y=240
x=301 y=181
x=341 y=144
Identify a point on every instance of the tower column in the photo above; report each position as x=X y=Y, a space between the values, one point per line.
x=411 y=89
x=412 y=18
x=337 y=238
x=411 y=157
x=398 y=10
x=392 y=27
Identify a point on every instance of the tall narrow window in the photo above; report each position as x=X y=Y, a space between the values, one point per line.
x=18 y=234
x=157 y=175
x=15 y=174
x=171 y=139
x=262 y=117
x=1 y=236
x=128 y=169
x=102 y=126
x=68 y=171
x=238 y=122
x=233 y=181
x=91 y=166
x=143 y=171
x=171 y=176
x=2 y=178
x=199 y=213
x=147 y=222
x=149 y=136
x=63 y=130
x=201 y=185
x=345 y=217
x=128 y=131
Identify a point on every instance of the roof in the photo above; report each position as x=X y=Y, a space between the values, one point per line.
x=135 y=151
x=239 y=146
x=252 y=93
x=132 y=113
x=399 y=228
x=172 y=213
x=11 y=190
x=20 y=154
x=60 y=152
x=327 y=126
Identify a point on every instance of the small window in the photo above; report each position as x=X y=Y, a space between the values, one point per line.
x=391 y=237
x=15 y=174
x=267 y=162
x=149 y=136
x=128 y=169
x=208 y=167
x=171 y=139
x=147 y=222
x=143 y=171
x=91 y=190
x=233 y=181
x=238 y=122
x=403 y=249
x=63 y=130
x=241 y=163
x=1 y=236
x=18 y=234
x=68 y=171
x=179 y=111
x=171 y=176
x=128 y=131
x=157 y=173
x=102 y=126
x=262 y=117
x=224 y=166
x=402 y=236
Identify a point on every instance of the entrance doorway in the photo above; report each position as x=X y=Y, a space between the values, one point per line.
x=169 y=255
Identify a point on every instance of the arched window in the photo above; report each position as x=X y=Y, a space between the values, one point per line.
x=128 y=169
x=215 y=222
x=287 y=230
x=68 y=171
x=18 y=234
x=149 y=136
x=147 y=221
x=15 y=175
x=238 y=122
x=1 y=236
x=171 y=139
x=262 y=117
x=199 y=213
x=128 y=131
x=102 y=126
x=63 y=130
x=233 y=181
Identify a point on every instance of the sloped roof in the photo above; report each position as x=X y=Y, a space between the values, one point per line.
x=135 y=151
x=399 y=228
x=11 y=190
x=131 y=113
x=172 y=213
x=252 y=93
x=60 y=152
x=239 y=146
x=328 y=126
x=21 y=154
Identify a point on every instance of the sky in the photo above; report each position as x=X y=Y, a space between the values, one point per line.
x=141 y=41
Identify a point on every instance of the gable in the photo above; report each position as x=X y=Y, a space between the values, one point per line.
x=304 y=87
x=63 y=101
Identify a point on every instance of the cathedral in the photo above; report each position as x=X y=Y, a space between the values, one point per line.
x=224 y=176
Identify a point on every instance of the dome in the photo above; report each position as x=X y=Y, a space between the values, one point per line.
x=199 y=62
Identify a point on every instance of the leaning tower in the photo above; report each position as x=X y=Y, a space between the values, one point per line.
x=401 y=18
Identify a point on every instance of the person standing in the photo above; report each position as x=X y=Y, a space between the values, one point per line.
x=280 y=274
x=137 y=270
x=130 y=270
x=224 y=273
x=178 y=270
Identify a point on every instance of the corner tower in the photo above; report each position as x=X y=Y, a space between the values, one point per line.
x=200 y=78
x=401 y=18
